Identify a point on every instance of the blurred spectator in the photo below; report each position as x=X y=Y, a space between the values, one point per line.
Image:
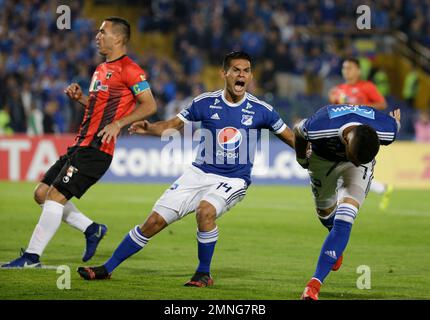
x=35 y=122
x=410 y=86
x=266 y=79
x=381 y=80
x=49 y=125
x=5 y=128
x=422 y=127
x=18 y=118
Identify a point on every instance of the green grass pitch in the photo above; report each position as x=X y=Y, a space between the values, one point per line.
x=268 y=248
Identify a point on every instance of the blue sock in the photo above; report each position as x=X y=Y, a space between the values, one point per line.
x=133 y=242
x=206 y=247
x=336 y=240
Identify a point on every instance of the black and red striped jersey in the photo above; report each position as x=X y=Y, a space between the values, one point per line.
x=112 y=95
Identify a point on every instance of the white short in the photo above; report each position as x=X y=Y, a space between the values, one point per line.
x=193 y=186
x=332 y=181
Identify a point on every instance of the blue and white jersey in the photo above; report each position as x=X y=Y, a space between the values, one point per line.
x=324 y=129
x=230 y=132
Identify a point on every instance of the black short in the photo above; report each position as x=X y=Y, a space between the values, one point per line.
x=77 y=170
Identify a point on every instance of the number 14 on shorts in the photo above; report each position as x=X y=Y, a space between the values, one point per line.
x=224 y=185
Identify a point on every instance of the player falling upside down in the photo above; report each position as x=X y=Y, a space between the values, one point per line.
x=360 y=92
x=220 y=175
x=344 y=141
x=116 y=86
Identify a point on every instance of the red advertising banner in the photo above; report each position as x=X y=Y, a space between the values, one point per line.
x=24 y=158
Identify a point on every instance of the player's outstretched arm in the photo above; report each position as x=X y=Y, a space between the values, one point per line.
x=145 y=108
x=287 y=136
x=74 y=92
x=301 y=146
x=156 y=128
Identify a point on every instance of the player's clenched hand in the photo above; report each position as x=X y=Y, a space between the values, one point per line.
x=139 y=127
x=396 y=114
x=109 y=132
x=74 y=91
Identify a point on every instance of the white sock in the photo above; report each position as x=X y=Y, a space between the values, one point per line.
x=49 y=221
x=377 y=187
x=72 y=216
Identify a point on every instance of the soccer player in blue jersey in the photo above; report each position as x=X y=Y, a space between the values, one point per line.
x=220 y=175
x=338 y=145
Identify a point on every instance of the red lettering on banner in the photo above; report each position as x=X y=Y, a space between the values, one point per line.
x=28 y=158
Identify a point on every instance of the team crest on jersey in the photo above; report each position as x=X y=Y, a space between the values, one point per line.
x=108 y=75
x=229 y=138
x=246 y=119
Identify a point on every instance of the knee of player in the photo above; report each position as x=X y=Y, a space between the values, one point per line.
x=325 y=212
x=39 y=194
x=154 y=222
x=205 y=211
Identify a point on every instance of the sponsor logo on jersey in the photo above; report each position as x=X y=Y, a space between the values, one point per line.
x=215 y=107
x=246 y=119
x=339 y=111
x=248 y=111
x=229 y=138
x=248 y=106
x=98 y=86
x=216 y=101
x=215 y=116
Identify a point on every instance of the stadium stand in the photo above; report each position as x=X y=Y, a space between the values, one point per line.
x=298 y=48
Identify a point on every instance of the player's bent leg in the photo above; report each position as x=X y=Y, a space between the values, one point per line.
x=132 y=243
x=93 y=232
x=326 y=216
x=207 y=236
x=48 y=224
x=337 y=239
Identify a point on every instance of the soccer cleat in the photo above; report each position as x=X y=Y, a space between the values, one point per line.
x=200 y=279
x=26 y=260
x=312 y=290
x=94 y=273
x=385 y=201
x=92 y=241
x=337 y=264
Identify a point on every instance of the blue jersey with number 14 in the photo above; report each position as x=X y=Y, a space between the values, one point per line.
x=229 y=132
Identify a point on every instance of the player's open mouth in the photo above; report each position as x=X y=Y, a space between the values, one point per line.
x=239 y=85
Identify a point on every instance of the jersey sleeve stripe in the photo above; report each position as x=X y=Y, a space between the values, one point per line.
x=185 y=120
x=282 y=128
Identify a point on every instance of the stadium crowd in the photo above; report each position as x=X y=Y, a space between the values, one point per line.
x=291 y=64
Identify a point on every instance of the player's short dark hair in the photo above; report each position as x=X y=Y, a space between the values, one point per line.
x=235 y=55
x=366 y=143
x=123 y=26
x=353 y=60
